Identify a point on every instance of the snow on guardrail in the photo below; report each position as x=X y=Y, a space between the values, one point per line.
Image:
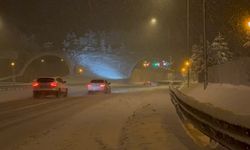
x=14 y=86
x=224 y=127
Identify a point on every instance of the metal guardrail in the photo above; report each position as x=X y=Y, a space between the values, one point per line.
x=231 y=136
x=14 y=86
x=171 y=82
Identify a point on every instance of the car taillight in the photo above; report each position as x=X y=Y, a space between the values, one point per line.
x=53 y=84
x=89 y=85
x=102 y=85
x=35 y=84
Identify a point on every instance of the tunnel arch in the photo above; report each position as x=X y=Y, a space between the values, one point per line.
x=136 y=63
x=40 y=55
x=139 y=73
x=61 y=56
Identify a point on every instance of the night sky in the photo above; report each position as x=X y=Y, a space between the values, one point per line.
x=51 y=20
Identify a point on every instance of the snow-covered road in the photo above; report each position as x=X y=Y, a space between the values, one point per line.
x=121 y=121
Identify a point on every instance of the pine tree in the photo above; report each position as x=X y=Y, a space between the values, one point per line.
x=197 y=59
x=71 y=46
x=219 y=52
x=91 y=42
x=247 y=45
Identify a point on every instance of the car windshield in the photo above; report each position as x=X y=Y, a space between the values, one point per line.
x=97 y=81
x=45 y=80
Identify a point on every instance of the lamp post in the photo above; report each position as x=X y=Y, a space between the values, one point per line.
x=187 y=63
x=13 y=68
x=205 y=46
x=188 y=27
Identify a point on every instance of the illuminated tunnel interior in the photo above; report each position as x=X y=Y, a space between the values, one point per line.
x=104 y=66
x=46 y=66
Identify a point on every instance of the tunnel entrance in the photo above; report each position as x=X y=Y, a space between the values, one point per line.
x=46 y=66
x=150 y=70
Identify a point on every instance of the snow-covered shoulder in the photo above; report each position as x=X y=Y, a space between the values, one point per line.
x=223 y=101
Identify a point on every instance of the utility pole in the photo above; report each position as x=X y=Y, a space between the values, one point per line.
x=13 y=67
x=188 y=39
x=205 y=46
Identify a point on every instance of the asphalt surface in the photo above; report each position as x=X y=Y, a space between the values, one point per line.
x=129 y=119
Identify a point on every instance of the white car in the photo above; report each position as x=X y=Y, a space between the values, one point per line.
x=99 y=86
x=55 y=86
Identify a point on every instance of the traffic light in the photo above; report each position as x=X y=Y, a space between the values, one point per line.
x=156 y=65
x=146 y=64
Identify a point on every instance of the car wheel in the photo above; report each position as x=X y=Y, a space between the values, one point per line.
x=66 y=93
x=58 y=94
x=108 y=91
x=36 y=95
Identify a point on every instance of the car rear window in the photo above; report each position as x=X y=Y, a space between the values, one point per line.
x=97 y=81
x=45 y=80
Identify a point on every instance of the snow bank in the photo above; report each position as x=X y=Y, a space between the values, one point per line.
x=225 y=102
x=225 y=96
x=15 y=94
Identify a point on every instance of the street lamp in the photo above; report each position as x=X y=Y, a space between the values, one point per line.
x=13 y=67
x=80 y=70
x=62 y=60
x=187 y=64
x=183 y=70
x=42 y=60
x=153 y=21
x=146 y=64
x=12 y=64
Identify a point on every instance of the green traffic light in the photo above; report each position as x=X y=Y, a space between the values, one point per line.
x=156 y=65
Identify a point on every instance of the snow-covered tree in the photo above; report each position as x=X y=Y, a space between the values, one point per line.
x=72 y=47
x=197 y=59
x=103 y=44
x=91 y=42
x=219 y=51
x=247 y=45
x=100 y=43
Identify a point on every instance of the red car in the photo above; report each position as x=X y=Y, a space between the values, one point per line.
x=49 y=86
x=99 y=86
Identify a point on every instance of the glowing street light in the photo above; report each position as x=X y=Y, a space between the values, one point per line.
x=187 y=69
x=62 y=60
x=246 y=24
x=42 y=60
x=13 y=64
x=187 y=63
x=80 y=70
x=153 y=21
x=183 y=70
